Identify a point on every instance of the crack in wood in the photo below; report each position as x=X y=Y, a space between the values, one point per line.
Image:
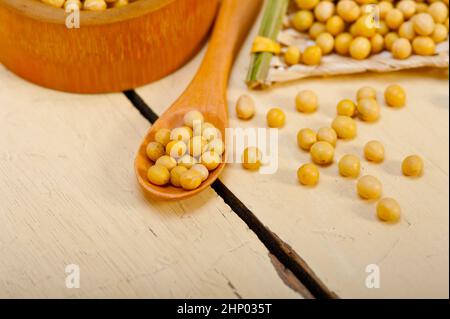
x=289 y=278
x=152 y=231
x=233 y=288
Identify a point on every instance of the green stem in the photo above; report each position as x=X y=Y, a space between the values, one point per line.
x=271 y=24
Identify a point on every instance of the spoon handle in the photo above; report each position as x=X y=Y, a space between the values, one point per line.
x=233 y=23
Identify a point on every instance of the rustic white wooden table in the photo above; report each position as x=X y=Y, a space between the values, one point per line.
x=68 y=195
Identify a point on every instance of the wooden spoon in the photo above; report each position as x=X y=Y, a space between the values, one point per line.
x=206 y=93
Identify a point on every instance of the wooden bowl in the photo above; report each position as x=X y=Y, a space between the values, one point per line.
x=113 y=50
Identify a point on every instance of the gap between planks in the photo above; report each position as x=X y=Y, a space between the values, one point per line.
x=286 y=256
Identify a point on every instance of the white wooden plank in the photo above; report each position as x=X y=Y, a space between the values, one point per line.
x=336 y=233
x=68 y=195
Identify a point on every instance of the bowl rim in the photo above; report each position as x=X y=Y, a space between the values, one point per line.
x=40 y=11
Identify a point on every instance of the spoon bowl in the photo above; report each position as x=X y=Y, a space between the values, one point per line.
x=142 y=163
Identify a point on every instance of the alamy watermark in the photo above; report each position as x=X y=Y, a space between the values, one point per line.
x=72 y=276
x=372 y=14
x=373 y=277
x=73 y=17
x=266 y=140
x=236 y=140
